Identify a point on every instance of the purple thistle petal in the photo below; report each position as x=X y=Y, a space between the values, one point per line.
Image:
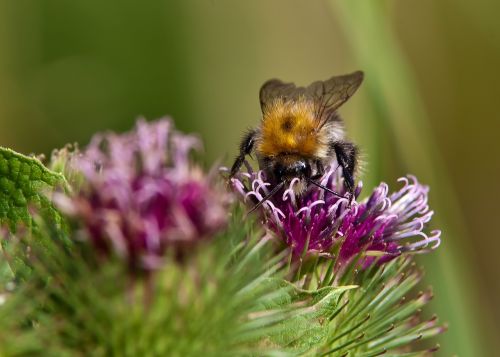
x=142 y=194
x=384 y=225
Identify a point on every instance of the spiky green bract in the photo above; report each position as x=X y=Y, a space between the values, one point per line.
x=225 y=299
x=233 y=296
x=76 y=305
x=381 y=316
x=64 y=161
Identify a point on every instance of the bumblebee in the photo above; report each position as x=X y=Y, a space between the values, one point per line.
x=301 y=132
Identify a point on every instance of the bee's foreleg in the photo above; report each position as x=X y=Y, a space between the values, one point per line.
x=347 y=154
x=320 y=170
x=246 y=147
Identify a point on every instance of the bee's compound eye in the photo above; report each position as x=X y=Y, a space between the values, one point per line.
x=307 y=170
x=279 y=171
x=302 y=168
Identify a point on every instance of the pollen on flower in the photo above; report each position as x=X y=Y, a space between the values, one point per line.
x=143 y=195
x=384 y=224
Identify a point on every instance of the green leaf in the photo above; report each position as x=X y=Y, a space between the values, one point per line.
x=307 y=327
x=24 y=183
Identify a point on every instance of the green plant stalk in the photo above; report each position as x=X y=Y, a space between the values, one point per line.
x=390 y=80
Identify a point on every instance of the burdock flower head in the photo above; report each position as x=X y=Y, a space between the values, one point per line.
x=384 y=225
x=142 y=194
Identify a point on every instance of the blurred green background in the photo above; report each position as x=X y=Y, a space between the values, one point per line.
x=428 y=105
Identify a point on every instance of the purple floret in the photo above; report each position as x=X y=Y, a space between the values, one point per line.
x=384 y=225
x=142 y=194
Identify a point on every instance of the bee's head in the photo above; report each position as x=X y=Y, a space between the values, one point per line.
x=286 y=170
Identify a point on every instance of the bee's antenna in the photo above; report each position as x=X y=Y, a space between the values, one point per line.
x=324 y=188
x=268 y=196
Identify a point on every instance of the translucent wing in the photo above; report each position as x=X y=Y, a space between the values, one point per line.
x=329 y=95
x=275 y=88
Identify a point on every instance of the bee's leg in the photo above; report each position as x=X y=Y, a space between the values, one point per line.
x=320 y=170
x=347 y=154
x=246 y=148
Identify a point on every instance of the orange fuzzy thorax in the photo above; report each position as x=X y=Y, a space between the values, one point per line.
x=289 y=127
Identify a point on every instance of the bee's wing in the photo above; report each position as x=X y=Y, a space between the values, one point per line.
x=275 y=88
x=329 y=95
